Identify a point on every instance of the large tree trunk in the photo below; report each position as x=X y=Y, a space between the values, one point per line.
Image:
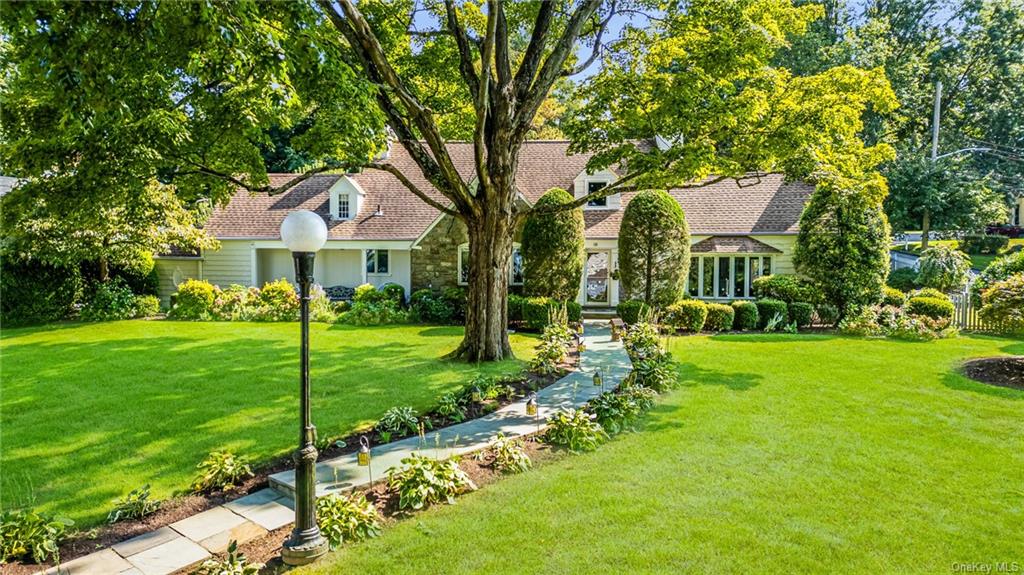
x=490 y=250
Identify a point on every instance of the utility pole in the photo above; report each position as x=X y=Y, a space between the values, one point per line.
x=936 y=112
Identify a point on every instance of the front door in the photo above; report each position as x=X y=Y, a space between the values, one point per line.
x=598 y=277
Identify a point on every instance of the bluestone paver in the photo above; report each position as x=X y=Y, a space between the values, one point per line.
x=242 y=533
x=270 y=515
x=100 y=563
x=145 y=541
x=168 y=557
x=207 y=523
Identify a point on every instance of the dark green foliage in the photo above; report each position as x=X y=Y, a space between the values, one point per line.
x=801 y=313
x=768 y=309
x=574 y=430
x=1000 y=269
x=32 y=292
x=1004 y=303
x=552 y=249
x=687 y=315
x=932 y=307
x=903 y=279
x=394 y=292
x=345 y=518
x=828 y=314
x=109 y=301
x=538 y=311
x=975 y=244
x=843 y=243
x=631 y=310
x=421 y=481
x=654 y=249
x=746 y=315
x=27 y=534
x=515 y=308
x=893 y=296
x=194 y=300
x=787 y=288
x=446 y=307
x=720 y=317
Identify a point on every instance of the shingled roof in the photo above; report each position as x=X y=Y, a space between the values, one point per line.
x=758 y=205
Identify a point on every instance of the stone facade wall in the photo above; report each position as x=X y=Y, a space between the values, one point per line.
x=435 y=264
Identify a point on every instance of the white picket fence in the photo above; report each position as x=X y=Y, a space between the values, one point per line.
x=966 y=315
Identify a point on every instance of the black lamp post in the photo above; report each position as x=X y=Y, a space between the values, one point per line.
x=304 y=233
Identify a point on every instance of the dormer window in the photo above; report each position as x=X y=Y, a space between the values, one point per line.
x=343 y=207
x=596 y=202
x=586 y=184
x=345 y=199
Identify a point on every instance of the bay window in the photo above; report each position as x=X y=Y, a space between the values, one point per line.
x=725 y=277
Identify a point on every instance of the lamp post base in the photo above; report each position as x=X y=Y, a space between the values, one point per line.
x=303 y=547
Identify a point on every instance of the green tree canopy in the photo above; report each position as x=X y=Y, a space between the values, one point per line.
x=654 y=249
x=843 y=243
x=553 y=249
x=99 y=94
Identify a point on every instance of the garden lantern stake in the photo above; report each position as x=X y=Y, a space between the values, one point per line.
x=304 y=233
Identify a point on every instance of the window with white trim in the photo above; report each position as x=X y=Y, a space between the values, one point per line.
x=726 y=277
x=377 y=262
x=515 y=272
x=343 y=207
x=596 y=202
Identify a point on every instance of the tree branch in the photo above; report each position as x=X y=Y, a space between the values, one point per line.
x=534 y=51
x=601 y=27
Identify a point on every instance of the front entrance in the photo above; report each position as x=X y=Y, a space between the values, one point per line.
x=598 y=290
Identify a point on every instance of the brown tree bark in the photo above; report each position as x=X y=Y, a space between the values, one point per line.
x=490 y=250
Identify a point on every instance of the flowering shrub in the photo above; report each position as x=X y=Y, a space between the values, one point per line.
x=380 y=312
x=111 y=300
x=896 y=322
x=194 y=300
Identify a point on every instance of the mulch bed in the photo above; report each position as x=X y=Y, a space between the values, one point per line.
x=85 y=542
x=1001 y=371
x=479 y=467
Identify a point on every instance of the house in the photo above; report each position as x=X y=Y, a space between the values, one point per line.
x=379 y=232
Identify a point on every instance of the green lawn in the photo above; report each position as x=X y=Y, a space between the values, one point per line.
x=978 y=261
x=91 y=411
x=778 y=454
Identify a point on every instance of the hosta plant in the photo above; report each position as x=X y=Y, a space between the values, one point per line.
x=575 y=430
x=451 y=408
x=25 y=534
x=399 y=420
x=421 y=481
x=134 y=505
x=234 y=563
x=615 y=411
x=509 y=455
x=220 y=470
x=656 y=373
x=350 y=518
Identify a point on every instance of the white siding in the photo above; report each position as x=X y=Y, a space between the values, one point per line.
x=400 y=264
x=172 y=272
x=231 y=264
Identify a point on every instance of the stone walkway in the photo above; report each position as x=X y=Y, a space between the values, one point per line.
x=196 y=538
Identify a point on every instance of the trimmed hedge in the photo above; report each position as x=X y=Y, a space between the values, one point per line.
x=33 y=292
x=719 y=317
x=828 y=314
x=930 y=292
x=787 y=288
x=903 y=279
x=394 y=292
x=802 y=313
x=631 y=310
x=746 y=315
x=537 y=311
x=932 y=307
x=687 y=315
x=976 y=244
x=894 y=297
x=769 y=308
